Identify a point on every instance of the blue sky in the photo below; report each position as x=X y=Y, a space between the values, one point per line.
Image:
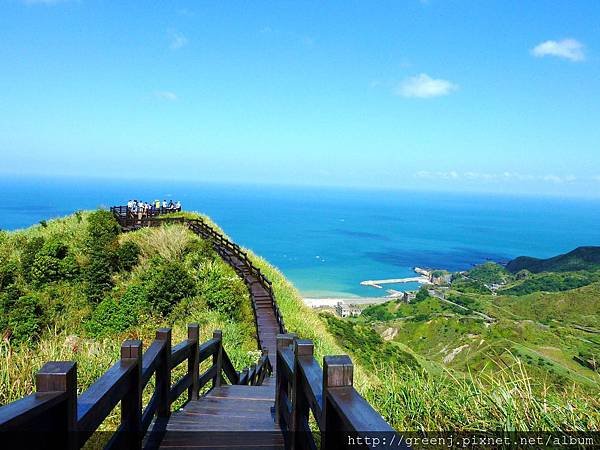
x=499 y=96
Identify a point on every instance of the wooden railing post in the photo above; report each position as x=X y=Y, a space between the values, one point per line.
x=193 y=364
x=338 y=371
x=163 y=374
x=218 y=358
x=61 y=376
x=131 y=403
x=265 y=366
x=283 y=341
x=303 y=348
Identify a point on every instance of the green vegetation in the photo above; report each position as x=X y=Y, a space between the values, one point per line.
x=101 y=250
x=489 y=273
x=75 y=288
x=466 y=285
x=582 y=258
x=552 y=282
x=430 y=395
x=515 y=373
x=358 y=336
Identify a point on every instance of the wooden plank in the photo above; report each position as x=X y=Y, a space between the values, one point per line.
x=355 y=412
x=208 y=349
x=180 y=352
x=101 y=397
x=20 y=412
x=150 y=360
x=179 y=387
x=263 y=393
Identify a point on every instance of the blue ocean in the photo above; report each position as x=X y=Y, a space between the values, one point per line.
x=328 y=240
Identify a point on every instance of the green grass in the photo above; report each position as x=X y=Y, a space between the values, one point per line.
x=66 y=310
x=408 y=386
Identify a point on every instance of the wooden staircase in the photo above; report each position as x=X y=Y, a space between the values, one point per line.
x=228 y=417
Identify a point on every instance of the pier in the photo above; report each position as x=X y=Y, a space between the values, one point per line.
x=378 y=283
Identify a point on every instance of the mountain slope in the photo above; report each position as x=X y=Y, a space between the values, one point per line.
x=582 y=258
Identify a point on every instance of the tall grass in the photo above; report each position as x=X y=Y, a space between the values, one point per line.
x=506 y=398
x=66 y=339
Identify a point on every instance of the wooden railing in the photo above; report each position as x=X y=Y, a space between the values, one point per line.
x=341 y=415
x=228 y=251
x=129 y=219
x=55 y=416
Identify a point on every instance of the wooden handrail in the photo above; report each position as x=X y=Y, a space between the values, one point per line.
x=72 y=420
x=303 y=387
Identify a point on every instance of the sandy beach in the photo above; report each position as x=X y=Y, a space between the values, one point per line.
x=332 y=301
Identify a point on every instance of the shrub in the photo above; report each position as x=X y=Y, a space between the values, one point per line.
x=8 y=298
x=55 y=249
x=8 y=273
x=101 y=245
x=221 y=291
x=30 y=251
x=469 y=286
x=69 y=268
x=45 y=269
x=118 y=315
x=168 y=283
x=378 y=312
x=128 y=255
x=552 y=282
x=102 y=230
x=423 y=294
x=25 y=319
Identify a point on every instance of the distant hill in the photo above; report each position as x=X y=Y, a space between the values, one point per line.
x=582 y=258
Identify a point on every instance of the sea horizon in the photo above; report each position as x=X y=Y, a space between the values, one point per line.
x=327 y=240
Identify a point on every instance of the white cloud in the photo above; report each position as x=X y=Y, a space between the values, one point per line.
x=570 y=49
x=423 y=86
x=178 y=40
x=166 y=95
x=495 y=177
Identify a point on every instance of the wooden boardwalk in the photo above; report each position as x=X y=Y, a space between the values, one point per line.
x=269 y=322
x=234 y=416
x=228 y=417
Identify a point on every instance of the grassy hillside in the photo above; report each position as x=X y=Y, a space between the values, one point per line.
x=582 y=258
x=411 y=389
x=150 y=278
x=529 y=340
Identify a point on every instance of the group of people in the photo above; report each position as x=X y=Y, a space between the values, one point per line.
x=142 y=209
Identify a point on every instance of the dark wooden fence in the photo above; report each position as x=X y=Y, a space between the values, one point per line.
x=342 y=418
x=128 y=219
x=55 y=416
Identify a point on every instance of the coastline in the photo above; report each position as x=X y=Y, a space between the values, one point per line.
x=333 y=301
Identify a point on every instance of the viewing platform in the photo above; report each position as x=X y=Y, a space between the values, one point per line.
x=284 y=401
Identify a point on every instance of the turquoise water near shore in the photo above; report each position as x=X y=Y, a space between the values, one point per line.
x=328 y=240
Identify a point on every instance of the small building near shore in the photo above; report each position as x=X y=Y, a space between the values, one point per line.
x=343 y=310
x=408 y=296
